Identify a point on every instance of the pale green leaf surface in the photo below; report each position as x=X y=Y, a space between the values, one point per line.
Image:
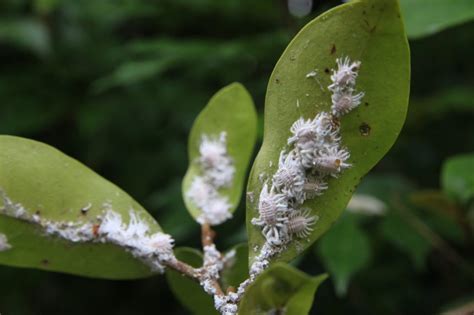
x=369 y=31
x=56 y=187
x=187 y=291
x=427 y=17
x=29 y=34
x=280 y=287
x=457 y=177
x=344 y=251
x=231 y=110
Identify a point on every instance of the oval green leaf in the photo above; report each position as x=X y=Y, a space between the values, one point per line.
x=344 y=251
x=230 y=110
x=367 y=30
x=427 y=17
x=57 y=188
x=280 y=287
x=457 y=178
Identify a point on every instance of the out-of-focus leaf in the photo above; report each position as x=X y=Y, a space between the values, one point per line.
x=369 y=31
x=47 y=183
x=440 y=213
x=29 y=34
x=187 y=291
x=386 y=187
x=46 y=6
x=300 y=8
x=134 y=71
x=280 y=287
x=231 y=110
x=460 y=308
x=457 y=177
x=345 y=250
x=427 y=17
x=402 y=235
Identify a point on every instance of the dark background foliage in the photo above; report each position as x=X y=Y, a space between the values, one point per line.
x=117 y=84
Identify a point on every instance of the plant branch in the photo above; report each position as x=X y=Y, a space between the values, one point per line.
x=207 y=239
x=184 y=269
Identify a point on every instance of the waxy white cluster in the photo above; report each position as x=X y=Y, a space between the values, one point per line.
x=4 y=243
x=217 y=172
x=313 y=155
x=152 y=248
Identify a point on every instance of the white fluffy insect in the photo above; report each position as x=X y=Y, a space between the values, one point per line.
x=346 y=74
x=271 y=209
x=290 y=176
x=217 y=171
x=201 y=192
x=314 y=187
x=331 y=160
x=216 y=211
x=300 y=223
x=4 y=243
x=344 y=102
x=212 y=150
x=303 y=131
x=217 y=165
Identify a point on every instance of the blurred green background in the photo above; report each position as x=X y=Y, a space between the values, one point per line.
x=118 y=83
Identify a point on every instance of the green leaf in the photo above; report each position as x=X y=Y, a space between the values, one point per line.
x=280 y=287
x=426 y=17
x=187 y=291
x=344 y=251
x=230 y=110
x=457 y=177
x=367 y=30
x=29 y=34
x=403 y=236
x=56 y=187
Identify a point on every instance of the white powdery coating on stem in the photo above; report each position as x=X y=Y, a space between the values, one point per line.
x=4 y=243
x=217 y=172
x=152 y=248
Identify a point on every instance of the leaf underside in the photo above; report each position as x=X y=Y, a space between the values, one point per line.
x=230 y=110
x=372 y=32
x=56 y=187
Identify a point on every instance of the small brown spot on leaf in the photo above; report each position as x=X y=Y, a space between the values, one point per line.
x=277 y=81
x=44 y=262
x=366 y=103
x=327 y=71
x=95 y=230
x=364 y=129
x=333 y=49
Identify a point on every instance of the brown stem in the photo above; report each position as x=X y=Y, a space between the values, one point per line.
x=207 y=235
x=207 y=239
x=184 y=269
